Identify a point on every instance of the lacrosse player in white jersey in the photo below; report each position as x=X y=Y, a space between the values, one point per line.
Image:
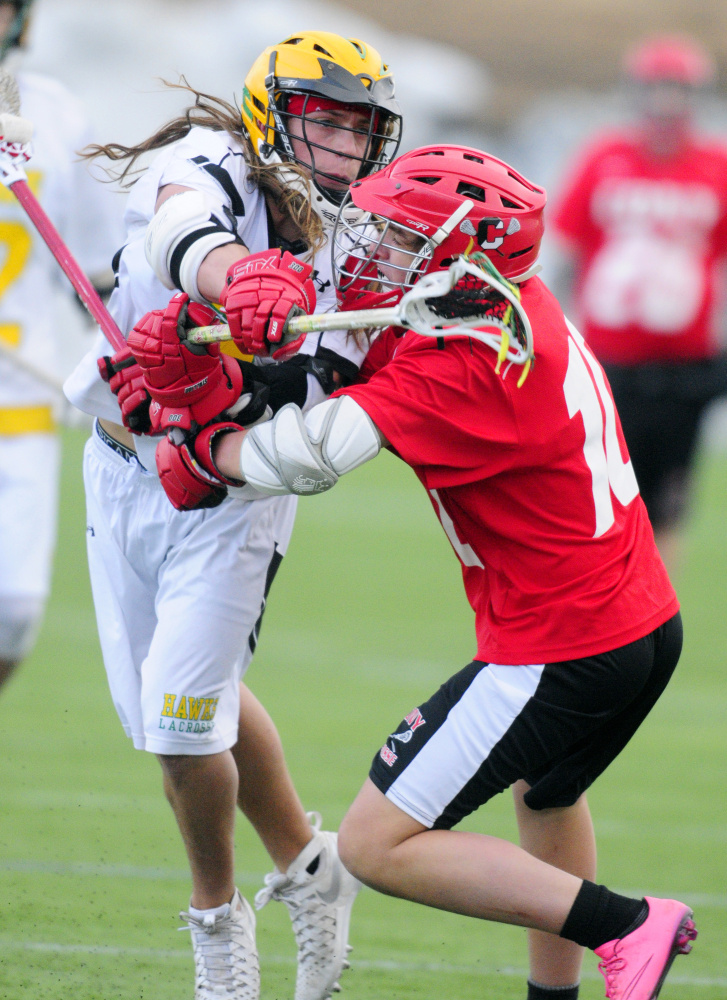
x=30 y=337
x=235 y=209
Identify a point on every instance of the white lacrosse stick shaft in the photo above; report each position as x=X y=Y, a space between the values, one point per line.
x=412 y=313
x=355 y=319
x=38 y=373
x=15 y=134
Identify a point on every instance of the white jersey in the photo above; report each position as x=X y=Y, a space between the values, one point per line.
x=156 y=573
x=88 y=217
x=212 y=162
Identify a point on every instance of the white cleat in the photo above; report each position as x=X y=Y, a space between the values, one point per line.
x=225 y=954
x=320 y=908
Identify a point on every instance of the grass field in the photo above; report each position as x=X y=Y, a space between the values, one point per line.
x=366 y=617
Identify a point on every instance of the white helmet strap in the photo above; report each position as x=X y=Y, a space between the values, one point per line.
x=446 y=228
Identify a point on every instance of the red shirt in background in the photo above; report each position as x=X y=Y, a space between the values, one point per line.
x=650 y=237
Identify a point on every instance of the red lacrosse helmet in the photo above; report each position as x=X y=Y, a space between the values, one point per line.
x=445 y=201
x=670 y=58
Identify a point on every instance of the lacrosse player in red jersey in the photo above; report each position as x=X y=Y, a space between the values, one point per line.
x=642 y=220
x=235 y=209
x=32 y=335
x=577 y=626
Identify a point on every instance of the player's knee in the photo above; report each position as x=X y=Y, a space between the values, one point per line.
x=185 y=771
x=20 y=619
x=176 y=767
x=354 y=852
x=362 y=849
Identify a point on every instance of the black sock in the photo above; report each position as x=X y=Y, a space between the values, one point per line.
x=313 y=866
x=599 y=915
x=536 y=991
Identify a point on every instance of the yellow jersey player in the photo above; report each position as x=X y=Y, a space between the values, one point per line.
x=30 y=282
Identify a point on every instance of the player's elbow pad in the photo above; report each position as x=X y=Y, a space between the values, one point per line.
x=304 y=455
x=179 y=237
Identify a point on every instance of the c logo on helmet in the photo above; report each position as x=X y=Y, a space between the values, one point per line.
x=483 y=233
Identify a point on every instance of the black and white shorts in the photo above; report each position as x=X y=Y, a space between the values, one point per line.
x=555 y=725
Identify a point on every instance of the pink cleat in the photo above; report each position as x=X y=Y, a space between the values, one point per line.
x=635 y=966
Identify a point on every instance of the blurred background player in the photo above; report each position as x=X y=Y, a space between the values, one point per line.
x=235 y=208
x=34 y=328
x=553 y=695
x=643 y=216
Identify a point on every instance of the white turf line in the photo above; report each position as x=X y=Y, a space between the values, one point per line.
x=441 y=968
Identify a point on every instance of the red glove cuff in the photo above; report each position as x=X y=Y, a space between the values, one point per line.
x=203 y=445
x=187 y=486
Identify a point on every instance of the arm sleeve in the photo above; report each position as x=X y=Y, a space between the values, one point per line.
x=204 y=161
x=445 y=412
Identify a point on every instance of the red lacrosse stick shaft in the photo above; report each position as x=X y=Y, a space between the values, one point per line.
x=87 y=293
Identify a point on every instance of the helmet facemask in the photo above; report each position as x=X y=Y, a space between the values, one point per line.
x=334 y=125
x=369 y=142
x=371 y=248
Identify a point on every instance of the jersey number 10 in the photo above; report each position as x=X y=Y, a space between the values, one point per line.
x=586 y=393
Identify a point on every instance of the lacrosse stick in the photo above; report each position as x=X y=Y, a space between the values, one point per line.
x=29 y=368
x=470 y=293
x=15 y=135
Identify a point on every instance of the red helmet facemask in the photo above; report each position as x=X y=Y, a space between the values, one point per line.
x=432 y=205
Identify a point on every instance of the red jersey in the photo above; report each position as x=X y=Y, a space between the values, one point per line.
x=651 y=240
x=533 y=486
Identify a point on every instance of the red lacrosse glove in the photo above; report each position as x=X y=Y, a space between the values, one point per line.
x=190 y=478
x=261 y=292
x=126 y=380
x=188 y=384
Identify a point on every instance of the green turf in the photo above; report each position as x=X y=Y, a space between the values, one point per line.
x=367 y=615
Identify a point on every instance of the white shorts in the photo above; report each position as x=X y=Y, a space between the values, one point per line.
x=177 y=596
x=29 y=466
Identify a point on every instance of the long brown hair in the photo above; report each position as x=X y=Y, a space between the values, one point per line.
x=220 y=116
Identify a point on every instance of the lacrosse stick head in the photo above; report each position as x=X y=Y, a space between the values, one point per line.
x=9 y=94
x=435 y=204
x=471 y=298
x=319 y=71
x=15 y=132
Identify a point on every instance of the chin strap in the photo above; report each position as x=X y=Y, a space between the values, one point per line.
x=530 y=273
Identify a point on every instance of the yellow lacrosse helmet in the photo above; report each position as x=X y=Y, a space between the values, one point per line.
x=289 y=80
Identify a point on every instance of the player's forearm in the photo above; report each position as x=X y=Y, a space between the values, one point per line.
x=213 y=269
x=226 y=453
